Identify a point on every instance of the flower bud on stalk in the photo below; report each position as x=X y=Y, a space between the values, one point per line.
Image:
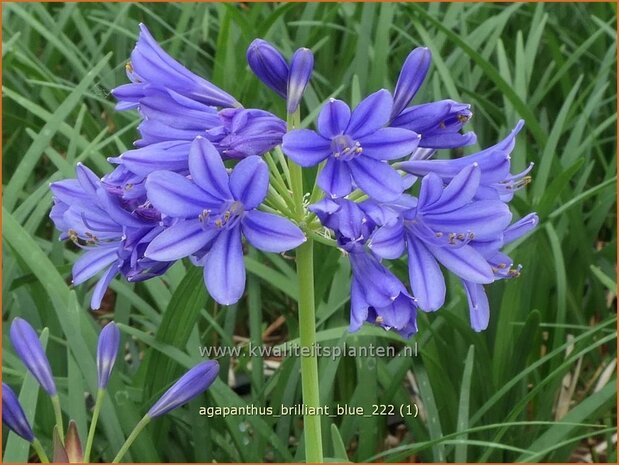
x=301 y=67
x=107 y=350
x=13 y=414
x=268 y=65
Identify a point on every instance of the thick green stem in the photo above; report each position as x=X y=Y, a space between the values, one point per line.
x=58 y=414
x=38 y=448
x=307 y=318
x=93 y=424
x=134 y=434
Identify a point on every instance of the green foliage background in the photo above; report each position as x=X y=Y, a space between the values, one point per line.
x=536 y=386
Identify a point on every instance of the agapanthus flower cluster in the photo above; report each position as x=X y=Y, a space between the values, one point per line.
x=197 y=185
x=67 y=449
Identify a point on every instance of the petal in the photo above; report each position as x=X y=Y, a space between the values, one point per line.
x=207 y=169
x=271 y=233
x=430 y=192
x=358 y=306
x=479 y=309
x=486 y=219
x=390 y=143
x=424 y=117
x=465 y=262
x=249 y=181
x=168 y=155
x=460 y=190
x=335 y=179
x=333 y=118
x=447 y=140
x=305 y=147
x=99 y=292
x=371 y=114
x=176 y=196
x=224 y=269
x=411 y=77
x=425 y=275
x=89 y=181
x=388 y=241
x=180 y=240
x=521 y=227
x=93 y=261
x=398 y=313
x=376 y=178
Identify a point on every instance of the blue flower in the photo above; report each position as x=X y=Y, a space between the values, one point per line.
x=355 y=146
x=438 y=227
x=13 y=414
x=30 y=351
x=496 y=182
x=270 y=66
x=112 y=230
x=377 y=295
x=152 y=68
x=191 y=384
x=212 y=212
x=107 y=350
x=239 y=133
x=437 y=123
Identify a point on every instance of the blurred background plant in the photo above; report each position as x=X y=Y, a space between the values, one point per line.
x=538 y=385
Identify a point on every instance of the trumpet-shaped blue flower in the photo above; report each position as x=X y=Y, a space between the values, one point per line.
x=151 y=67
x=191 y=384
x=355 y=146
x=238 y=133
x=30 y=351
x=496 y=182
x=107 y=350
x=438 y=227
x=113 y=231
x=13 y=414
x=377 y=295
x=212 y=212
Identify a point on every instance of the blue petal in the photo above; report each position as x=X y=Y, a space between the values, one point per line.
x=99 y=292
x=448 y=140
x=411 y=77
x=376 y=178
x=333 y=118
x=430 y=192
x=268 y=65
x=249 y=181
x=224 y=269
x=399 y=313
x=335 y=179
x=371 y=114
x=168 y=155
x=93 y=261
x=306 y=148
x=485 y=218
x=479 y=309
x=426 y=279
x=521 y=227
x=465 y=262
x=460 y=190
x=271 y=233
x=180 y=240
x=207 y=169
x=176 y=196
x=390 y=143
x=388 y=241
x=89 y=181
x=425 y=117
x=358 y=306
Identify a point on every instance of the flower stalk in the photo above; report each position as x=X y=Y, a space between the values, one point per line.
x=132 y=437
x=93 y=424
x=38 y=448
x=58 y=415
x=307 y=316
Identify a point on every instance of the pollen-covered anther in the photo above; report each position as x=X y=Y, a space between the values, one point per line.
x=204 y=215
x=129 y=67
x=379 y=320
x=463 y=118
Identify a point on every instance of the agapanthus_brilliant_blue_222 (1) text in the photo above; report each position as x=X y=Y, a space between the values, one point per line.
x=208 y=177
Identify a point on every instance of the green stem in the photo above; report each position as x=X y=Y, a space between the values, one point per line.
x=93 y=424
x=307 y=318
x=58 y=415
x=38 y=448
x=134 y=434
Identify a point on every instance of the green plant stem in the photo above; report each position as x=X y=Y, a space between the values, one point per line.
x=38 y=448
x=134 y=434
x=58 y=415
x=93 y=424
x=307 y=317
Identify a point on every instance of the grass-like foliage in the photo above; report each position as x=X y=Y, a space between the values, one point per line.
x=538 y=385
